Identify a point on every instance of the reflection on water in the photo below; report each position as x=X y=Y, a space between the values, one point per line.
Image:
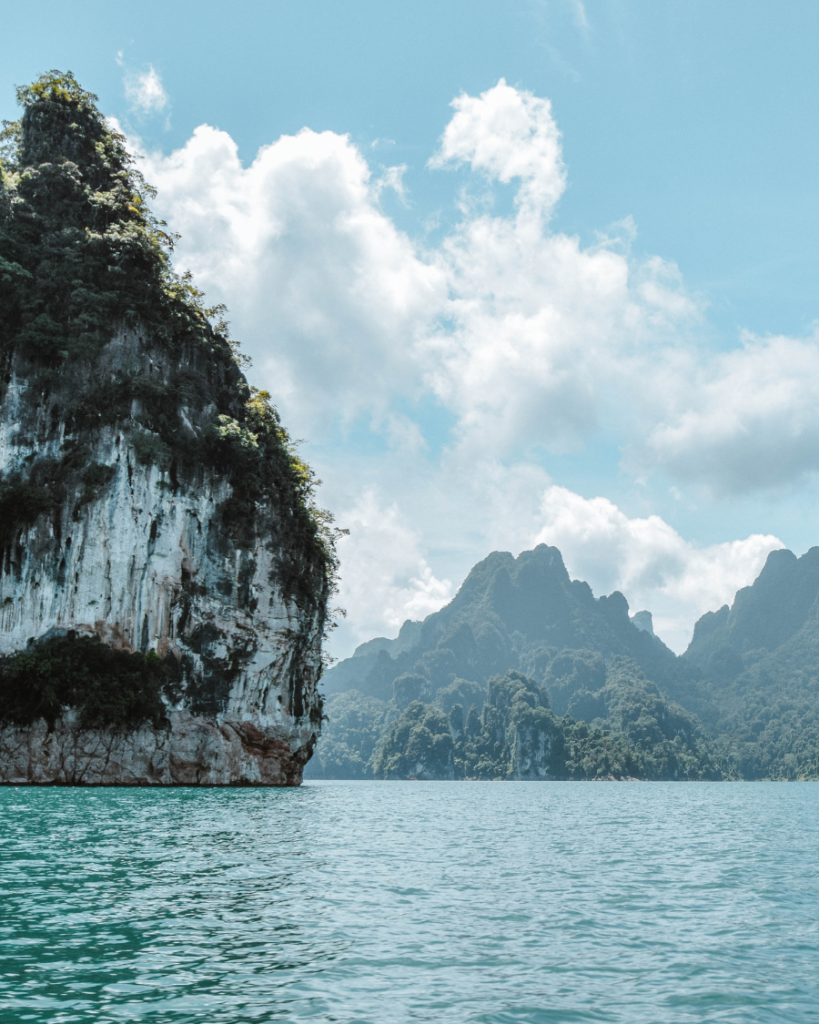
x=397 y=902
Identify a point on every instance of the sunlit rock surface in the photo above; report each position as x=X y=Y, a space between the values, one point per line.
x=147 y=566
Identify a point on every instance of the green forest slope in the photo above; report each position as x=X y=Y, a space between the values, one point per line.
x=525 y=674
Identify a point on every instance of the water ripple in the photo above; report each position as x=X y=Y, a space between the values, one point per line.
x=387 y=903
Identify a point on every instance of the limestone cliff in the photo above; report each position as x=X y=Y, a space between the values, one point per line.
x=148 y=496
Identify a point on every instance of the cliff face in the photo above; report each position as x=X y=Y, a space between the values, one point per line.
x=149 y=498
x=147 y=566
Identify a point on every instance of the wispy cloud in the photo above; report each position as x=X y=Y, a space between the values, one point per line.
x=393 y=178
x=144 y=90
x=580 y=17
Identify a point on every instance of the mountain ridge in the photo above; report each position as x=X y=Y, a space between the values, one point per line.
x=723 y=709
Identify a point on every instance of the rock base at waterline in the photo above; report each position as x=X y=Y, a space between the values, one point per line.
x=191 y=751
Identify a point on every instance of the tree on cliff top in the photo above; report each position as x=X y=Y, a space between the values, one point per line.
x=82 y=251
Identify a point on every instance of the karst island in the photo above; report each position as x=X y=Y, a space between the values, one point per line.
x=165 y=568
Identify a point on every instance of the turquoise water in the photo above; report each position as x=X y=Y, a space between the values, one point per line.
x=396 y=902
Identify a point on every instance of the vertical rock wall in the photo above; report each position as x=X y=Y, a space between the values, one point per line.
x=148 y=565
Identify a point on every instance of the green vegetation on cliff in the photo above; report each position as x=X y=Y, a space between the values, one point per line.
x=759 y=661
x=626 y=729
x=110 y=689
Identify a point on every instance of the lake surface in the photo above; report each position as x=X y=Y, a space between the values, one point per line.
x=395 y=902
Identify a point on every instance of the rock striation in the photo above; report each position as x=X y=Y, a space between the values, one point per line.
x=149 y=497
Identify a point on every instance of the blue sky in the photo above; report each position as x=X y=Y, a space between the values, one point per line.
x=626 y=366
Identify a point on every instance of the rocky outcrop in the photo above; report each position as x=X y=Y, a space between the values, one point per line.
x=190 y=751
x=146 y=567
x=148 y=496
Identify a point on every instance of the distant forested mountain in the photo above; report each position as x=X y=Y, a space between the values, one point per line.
x=757 y=666
x=526 y=675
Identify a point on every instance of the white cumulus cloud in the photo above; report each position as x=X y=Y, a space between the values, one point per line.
x=648 y=561
x=531 y=340
x=508 y=133
x=743 y=419
x=522 y=333
x=520 y=339
x=328 y=296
